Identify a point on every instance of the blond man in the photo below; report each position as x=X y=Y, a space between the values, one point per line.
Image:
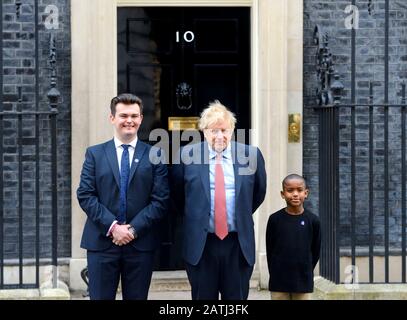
x=218 y=192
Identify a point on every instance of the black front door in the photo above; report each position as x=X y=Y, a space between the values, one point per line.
x=177 y=60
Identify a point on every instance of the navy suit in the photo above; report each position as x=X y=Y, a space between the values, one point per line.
x=191 y=188
x=147 y=202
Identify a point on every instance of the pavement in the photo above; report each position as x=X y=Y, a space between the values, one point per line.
x=174 y=285
x=254 y=294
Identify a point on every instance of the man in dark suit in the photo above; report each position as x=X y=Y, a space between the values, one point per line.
x=124 y=193
x=218 y=185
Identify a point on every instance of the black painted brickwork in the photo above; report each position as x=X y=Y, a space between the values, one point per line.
x=330 y=16
x=19 y=70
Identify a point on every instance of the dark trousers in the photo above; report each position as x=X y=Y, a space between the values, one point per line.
x=105 y=269
x=222 y=269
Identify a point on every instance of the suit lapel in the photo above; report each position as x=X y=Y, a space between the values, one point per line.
x=205 y=169
x=237 y=154
x=138 y=154
x=111 y=155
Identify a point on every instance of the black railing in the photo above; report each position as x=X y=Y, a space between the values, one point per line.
x=24 y=223
x=362 y=172
x=329 y=202
x=28 y=175
x=1 y=158
x=339 y=223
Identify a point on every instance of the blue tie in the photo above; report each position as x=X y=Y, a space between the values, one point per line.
x=124 y=178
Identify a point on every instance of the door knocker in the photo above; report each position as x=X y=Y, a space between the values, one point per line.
x=184 y=96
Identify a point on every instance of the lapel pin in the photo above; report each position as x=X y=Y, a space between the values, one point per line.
x=136 y=160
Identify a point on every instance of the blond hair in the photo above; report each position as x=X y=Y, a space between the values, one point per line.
x=214 y=113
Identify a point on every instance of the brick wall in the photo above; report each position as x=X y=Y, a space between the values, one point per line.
x=330 y=15
x=19 y=71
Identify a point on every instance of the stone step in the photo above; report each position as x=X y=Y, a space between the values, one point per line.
x=178 y=281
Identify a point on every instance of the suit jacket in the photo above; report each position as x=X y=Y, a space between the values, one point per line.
x=191 y=192
x=99 y=195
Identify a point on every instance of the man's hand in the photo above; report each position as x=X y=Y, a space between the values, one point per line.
x=122 y=235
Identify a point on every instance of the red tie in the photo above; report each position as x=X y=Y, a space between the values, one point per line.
x=221 y=224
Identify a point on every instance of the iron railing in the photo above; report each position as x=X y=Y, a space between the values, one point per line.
x=28 y=168
x=362 y=171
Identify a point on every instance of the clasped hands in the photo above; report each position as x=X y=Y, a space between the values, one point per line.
x=121 y=235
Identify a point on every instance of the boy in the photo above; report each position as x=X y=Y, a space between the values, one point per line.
x=293 y=241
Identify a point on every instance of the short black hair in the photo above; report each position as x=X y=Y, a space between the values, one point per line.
x=125 y=98
x=292 y=177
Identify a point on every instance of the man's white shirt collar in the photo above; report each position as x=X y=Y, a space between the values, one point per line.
x=118 y=143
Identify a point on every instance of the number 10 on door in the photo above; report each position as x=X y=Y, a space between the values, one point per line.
x=188 y=36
